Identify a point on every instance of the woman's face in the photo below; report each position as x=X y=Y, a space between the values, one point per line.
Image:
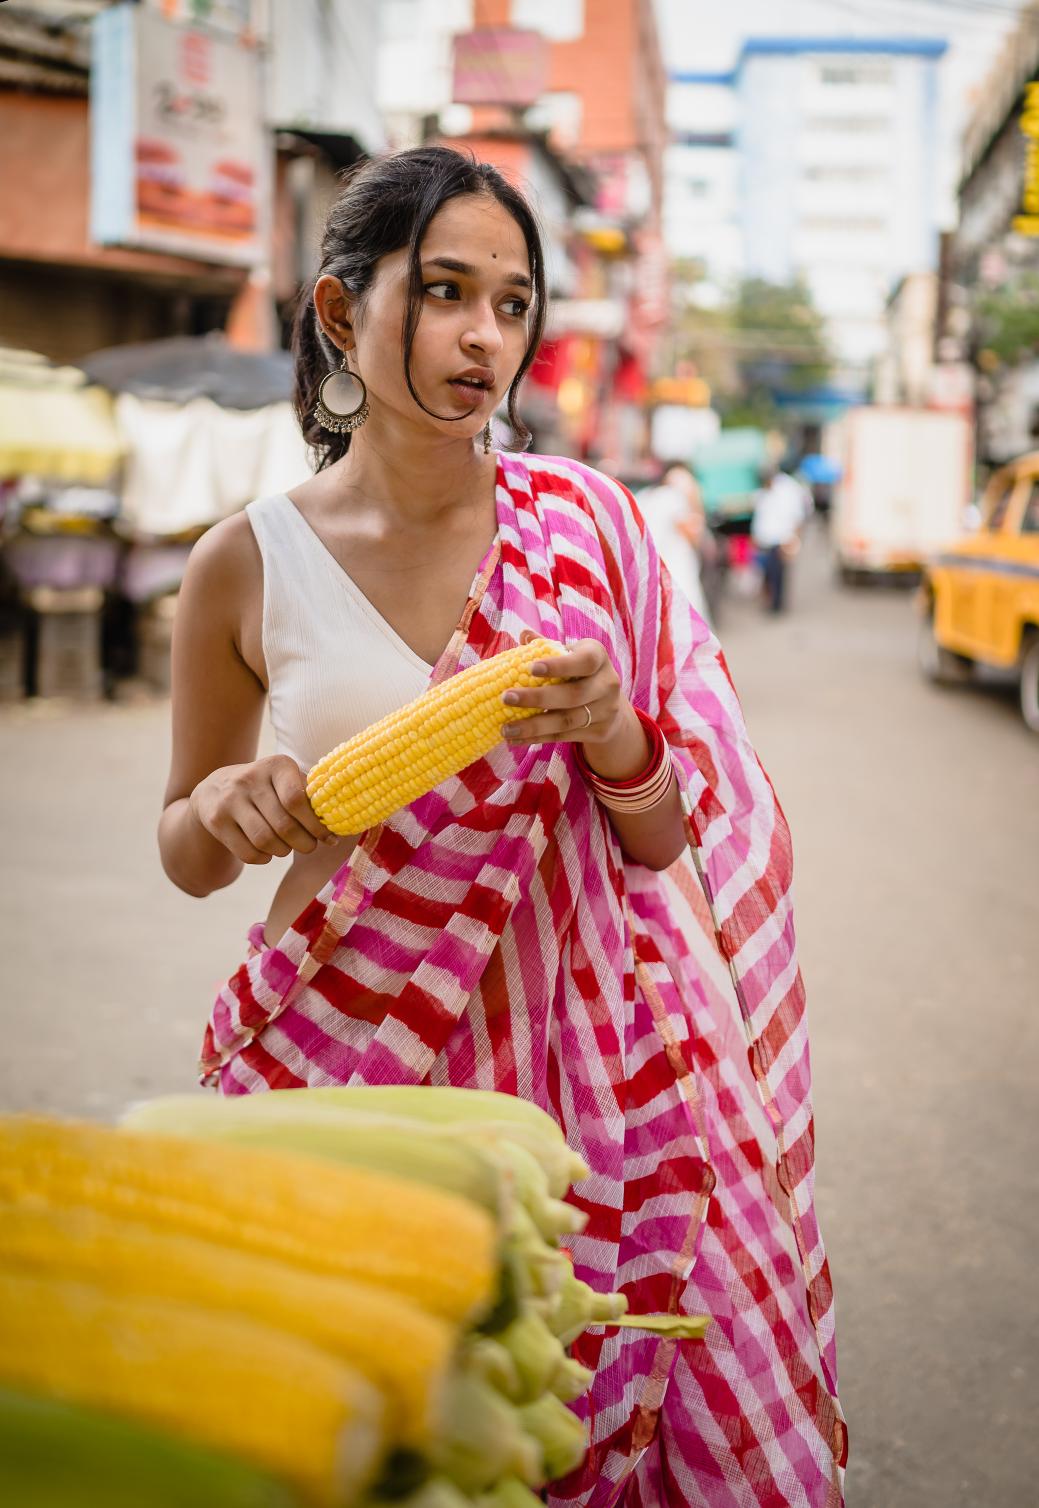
x=472 y=333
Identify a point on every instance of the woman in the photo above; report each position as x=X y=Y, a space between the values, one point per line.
x=531 y=925
x=674 y=514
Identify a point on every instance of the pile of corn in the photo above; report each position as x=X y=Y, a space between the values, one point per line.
x=323 y=1297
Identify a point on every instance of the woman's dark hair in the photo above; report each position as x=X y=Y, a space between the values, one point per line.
x=387 y=203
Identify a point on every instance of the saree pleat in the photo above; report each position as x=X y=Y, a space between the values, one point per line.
x=493 y=935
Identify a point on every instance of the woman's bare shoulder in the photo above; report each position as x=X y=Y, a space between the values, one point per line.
x=222 y=590
x=228 y=550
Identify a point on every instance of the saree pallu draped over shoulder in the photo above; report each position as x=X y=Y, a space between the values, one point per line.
x=492 y=935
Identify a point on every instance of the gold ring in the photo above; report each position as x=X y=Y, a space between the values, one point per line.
x=588 y=717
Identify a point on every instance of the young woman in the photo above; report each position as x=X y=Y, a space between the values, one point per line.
x=597 y=915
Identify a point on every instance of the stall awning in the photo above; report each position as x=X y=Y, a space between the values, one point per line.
x=53 y=424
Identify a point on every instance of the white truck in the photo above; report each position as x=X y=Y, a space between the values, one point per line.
x=906 y=483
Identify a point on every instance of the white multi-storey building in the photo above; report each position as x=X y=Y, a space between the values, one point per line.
x=838 y=147
x=701 y=203
x=832 y=174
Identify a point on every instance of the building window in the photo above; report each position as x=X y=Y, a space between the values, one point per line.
x=855 y=73
x=857 y=224
x=858 y=124
x=847 y=172
x=559 y=20
x=560 y=113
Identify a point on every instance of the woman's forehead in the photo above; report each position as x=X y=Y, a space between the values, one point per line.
x=476 y=223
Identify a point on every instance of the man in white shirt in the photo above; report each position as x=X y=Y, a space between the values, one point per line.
x=780 y=510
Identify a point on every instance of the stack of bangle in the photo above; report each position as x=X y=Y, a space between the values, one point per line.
x=642 y=791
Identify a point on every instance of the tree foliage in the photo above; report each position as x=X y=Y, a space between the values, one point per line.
x=765 y=340
x=1008 y=319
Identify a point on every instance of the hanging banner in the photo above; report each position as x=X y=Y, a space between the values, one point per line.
x=500 y=65
x=177 y=138
x=1027 y=223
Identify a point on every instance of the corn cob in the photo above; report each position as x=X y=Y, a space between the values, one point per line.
x=409 y=753
x=291 y=1122
x=216 y=1379
x=509 y=1493
x=58 y=1455
x=561 y=1437
x=491 y=1115
x=487 y=1358
x=406 y=1352
x=294 y=1121
x=551 y=1216
x=537 y=1355
x=436 y=1493
x=439 y=1251
x=577 y=1307
x=495 y=1443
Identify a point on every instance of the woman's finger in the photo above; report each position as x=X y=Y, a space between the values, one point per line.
x=282 y=823
x=235 y=840
x=569 y=725
x=259 y=831
x=292 y=793
x=569 y=694
x=582 y=660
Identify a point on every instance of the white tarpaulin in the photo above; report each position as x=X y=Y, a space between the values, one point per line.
x=194 y=463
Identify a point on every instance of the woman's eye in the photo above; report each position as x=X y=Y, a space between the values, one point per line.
x=518 y=308
x=437 y=290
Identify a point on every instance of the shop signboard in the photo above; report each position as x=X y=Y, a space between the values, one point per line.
x=238 y=16
x=1027 y=223
x=177 y=138
x=500 y=65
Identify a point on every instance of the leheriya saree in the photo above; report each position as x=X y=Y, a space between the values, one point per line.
x=493 y=935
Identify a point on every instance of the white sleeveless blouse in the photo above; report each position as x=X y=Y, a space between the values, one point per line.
x=334 y=665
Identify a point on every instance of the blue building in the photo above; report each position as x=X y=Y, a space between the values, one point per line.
x=833 y=171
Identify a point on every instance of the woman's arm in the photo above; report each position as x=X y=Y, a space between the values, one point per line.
x=217 y=703
x=223 y=806
x=612 y=742
x=655 y=837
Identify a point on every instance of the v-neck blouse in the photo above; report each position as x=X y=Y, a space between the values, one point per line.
x=334 y=664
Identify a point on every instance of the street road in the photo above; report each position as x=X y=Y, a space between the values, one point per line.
x=915 y=815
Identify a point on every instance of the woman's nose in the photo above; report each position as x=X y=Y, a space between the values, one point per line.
x=483 y=334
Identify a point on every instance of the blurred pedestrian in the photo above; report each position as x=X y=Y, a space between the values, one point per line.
x=674 y=514
x=514 y=929
x=781 y=509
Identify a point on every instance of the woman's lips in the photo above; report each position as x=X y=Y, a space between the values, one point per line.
x=472 y=396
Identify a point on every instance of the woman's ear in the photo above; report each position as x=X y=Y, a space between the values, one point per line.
x=334 y=311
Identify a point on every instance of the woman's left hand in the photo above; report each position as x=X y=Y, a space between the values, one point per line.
x=588 y=708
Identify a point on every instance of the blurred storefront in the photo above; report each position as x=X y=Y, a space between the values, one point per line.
x=166 y=166
x=990 y=289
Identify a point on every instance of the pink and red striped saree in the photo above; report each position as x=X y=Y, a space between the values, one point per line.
x=493 y=935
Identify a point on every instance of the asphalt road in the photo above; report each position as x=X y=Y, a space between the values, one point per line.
x=915 y=815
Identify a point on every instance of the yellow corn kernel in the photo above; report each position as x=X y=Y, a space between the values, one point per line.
x=216 y=1379
x=406 y=1352
x=407 y=754
x=437 y=1250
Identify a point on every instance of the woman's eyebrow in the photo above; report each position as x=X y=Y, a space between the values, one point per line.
x=515 y=279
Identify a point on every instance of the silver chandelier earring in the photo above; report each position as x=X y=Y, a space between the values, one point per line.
x=342 y=401
x=487 y=438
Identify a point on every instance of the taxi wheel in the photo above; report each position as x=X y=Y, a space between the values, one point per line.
x=939 y=664
x=1030 y=685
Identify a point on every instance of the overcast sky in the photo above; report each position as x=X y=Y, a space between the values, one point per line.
x=706 y=35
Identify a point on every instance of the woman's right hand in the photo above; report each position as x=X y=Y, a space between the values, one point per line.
x=259 y=811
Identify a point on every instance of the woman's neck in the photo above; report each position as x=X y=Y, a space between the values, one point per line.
x=414 y=484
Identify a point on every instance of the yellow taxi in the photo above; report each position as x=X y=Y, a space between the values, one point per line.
x=980 y=598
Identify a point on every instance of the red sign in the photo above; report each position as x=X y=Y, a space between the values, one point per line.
x=500 y=65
